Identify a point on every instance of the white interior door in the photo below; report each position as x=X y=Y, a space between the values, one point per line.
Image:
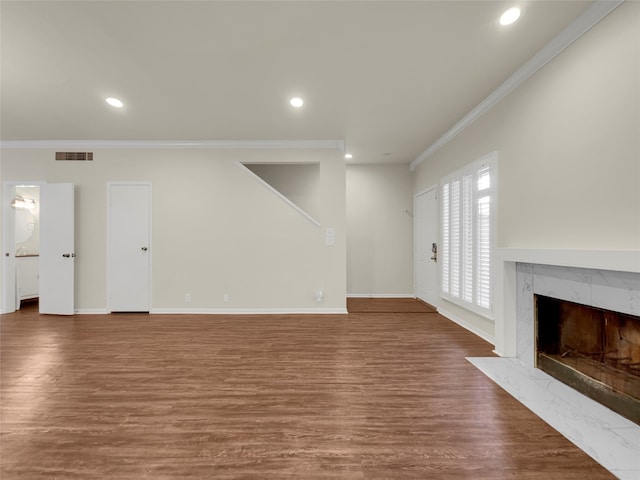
x=129 y=249
x=8 y=250
x=425 y=236
x=57 y=256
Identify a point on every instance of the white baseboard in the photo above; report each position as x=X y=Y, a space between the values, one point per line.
x=380 y=295
x=475 y=330
x=251 y=311
x=86 y=311
x=225 y=311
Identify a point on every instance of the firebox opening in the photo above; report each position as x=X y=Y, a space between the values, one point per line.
x=595 y=351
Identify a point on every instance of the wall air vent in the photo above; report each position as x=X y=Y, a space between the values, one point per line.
x=74 y=156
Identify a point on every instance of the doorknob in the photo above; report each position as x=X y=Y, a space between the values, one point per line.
x=144 y=249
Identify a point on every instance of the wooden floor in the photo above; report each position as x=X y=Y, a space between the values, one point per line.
x=365 y=395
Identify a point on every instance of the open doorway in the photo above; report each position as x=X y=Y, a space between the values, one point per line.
x=20 y=241
x=26 y=207
x=38 y=257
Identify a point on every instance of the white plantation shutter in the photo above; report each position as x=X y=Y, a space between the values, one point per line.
x=483 y=238
x=484 y=178
x=455 y=239
x=467 y=235
x=467 y=238
x=483 y=263
x=446 y=244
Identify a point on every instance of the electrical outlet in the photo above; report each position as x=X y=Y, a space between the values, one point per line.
x=187 y=298
x=226 y=297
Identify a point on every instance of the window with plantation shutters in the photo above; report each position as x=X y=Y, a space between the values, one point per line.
x=468 y=203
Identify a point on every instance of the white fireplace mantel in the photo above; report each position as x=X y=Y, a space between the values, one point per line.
x=615 y=260
x=506 y=281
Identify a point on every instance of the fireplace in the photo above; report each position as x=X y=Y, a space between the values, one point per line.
x=592 y=349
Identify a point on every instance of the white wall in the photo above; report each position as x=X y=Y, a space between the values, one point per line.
x=380 y=231
x=215 y=229
x=569 y=149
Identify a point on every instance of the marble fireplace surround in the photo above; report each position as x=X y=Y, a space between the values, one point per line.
x=607 y=279
x=610 y=290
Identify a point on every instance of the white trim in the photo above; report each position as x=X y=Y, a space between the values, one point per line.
x=490 y=159
x=221 y=311
x=616 y=260
x=173 y=144
x=250 y=311
x=473 y=329
x=426 y=190
x=380 y=295
x=277 y=193
x=596 y=12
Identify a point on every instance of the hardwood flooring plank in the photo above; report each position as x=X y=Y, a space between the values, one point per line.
x=373 y=394
x=388 y=305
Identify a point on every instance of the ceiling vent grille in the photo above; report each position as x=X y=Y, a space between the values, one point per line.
x=74 y=156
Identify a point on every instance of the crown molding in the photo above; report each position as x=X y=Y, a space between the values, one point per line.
x=175 y=144
x=596 y=12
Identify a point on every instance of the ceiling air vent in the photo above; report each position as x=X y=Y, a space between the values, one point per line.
x=74 y=156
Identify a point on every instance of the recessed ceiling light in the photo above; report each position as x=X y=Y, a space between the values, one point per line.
x=510 y=16
x=348 y=156
x=296 y=102
x=114 y=102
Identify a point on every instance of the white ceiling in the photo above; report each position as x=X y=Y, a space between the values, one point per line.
x=389 y=77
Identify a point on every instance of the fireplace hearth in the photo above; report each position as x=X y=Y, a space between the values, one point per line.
x=594 y=350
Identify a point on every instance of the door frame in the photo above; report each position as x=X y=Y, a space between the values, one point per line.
x=433 y=188
x=9 y=299
x=108 y=232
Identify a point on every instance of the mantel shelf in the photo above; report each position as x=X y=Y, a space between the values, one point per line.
x=615 y=260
